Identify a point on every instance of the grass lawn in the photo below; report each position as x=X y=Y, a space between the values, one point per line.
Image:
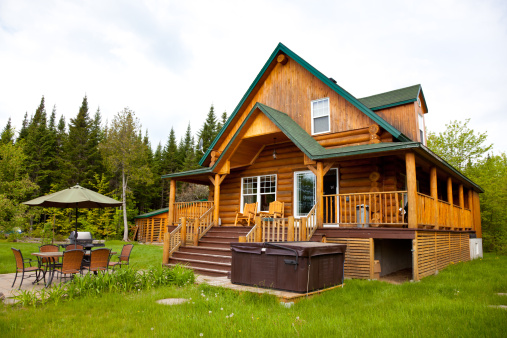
x=453 y=303
x=151 y=254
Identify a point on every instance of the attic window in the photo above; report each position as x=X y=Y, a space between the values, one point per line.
x=419 y=101
x=320 y=116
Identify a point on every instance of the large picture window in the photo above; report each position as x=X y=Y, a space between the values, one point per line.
x=260 y=189
x=320 y=116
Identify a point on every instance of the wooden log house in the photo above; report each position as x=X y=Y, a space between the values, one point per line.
x=354 y=171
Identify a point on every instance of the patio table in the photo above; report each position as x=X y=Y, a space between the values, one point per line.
x=52 y=258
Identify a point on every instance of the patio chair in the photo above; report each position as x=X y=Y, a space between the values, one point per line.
x=71 y=263
x=249 y=212
x=275 y=210
x=20 y=267
x=45 y=262
x=124 y=257
x=99 y=260
x=74 y=247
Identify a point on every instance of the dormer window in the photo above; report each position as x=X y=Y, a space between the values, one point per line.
x=320 y=116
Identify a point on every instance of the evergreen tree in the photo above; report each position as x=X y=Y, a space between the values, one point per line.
x=207 y=133
x=39 y=149
x=24 y=128
x=186 y=152
x=7 y=136
x=221 y=123
x=77 y=148
x=170 y=161
x=95 y=164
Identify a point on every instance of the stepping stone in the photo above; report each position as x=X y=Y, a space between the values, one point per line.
x=502 y=294
x=499 y=306
x=172 y=301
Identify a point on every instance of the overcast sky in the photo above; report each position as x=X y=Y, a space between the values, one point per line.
x=170 y=60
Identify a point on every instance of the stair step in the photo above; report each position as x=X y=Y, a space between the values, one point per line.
x=207 y=272
x=218 y=240
x=207 y=250
x=202 y=257
x=215 y=245
x=195 y=263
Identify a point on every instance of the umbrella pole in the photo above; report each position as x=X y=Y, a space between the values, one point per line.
x=75 y=233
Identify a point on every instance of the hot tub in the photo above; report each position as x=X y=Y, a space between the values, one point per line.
x=291 y=266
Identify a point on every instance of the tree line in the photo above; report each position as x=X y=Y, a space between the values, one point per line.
x=47 y=155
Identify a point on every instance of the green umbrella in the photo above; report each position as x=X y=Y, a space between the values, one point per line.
x=75 y=197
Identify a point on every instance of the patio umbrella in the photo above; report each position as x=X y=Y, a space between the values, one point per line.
x=75 y=197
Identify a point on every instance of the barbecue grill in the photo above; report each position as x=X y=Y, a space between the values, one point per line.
x=85 y=239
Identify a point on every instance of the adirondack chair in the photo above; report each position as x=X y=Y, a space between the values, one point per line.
x=249 y=212
x=275 y=210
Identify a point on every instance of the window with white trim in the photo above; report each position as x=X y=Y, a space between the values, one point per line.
x=260 y=189
x=304 y=192
x=421 y=128
x=320 y=116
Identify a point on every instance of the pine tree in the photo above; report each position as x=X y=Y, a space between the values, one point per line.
x=7 y=136
x=95 y=163
x=170 y=161
x=221 y=123
x=24 y=128
x=186 y=152
x=77 y=147
x=207 y=133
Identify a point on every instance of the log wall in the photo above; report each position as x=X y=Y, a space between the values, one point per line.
x=359 y=257
x=403 y=118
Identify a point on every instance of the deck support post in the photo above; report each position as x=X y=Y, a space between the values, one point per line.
x=258 y=234
x=320 y=194
x=302 y=229
x=461 y=197
x=477 y=214
x=290 y=230
x=172 y=197
x=183 y=231
x=167 y=245
x=450 y=200
x=434 y=194
x=411 y=189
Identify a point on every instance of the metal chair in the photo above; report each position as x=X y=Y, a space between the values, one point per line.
x=71 y=263
x=20 y=267
x=99 y=260
x=124 y=257
x=46 y=262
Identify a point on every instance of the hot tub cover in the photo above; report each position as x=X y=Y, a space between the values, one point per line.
x=303 y=249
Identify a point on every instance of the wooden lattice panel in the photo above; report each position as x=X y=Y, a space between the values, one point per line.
x=358 y=257
x=151 y=229
x=436 y=250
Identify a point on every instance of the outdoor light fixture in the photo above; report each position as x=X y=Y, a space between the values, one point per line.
x=274 y=150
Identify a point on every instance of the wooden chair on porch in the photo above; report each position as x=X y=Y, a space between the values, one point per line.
x=249 y=212
x=276 y=210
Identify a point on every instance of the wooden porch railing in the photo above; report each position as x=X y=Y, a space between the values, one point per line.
x=203 y=224
x=444 y=214
x=365 y=209
x=283 y=229
x=151 y=229
x=174 y=240
x=425 y=210
x=190 y=210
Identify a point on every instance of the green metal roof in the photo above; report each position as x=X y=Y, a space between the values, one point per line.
x=153 y=213
x=200 y=171
x=339 y=90
x=392 y=98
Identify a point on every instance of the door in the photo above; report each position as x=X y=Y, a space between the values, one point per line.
x=331 y=214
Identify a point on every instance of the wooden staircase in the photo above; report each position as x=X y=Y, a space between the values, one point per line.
x=212 y=257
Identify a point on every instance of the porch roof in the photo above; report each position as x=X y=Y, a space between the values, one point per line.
x=308 y=145
x=153 y=213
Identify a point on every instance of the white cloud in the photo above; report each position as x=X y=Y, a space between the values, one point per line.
x=170 y=60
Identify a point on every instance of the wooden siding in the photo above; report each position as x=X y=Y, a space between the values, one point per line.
x=290 y=89
x=358 y=257
x=436 y=250
x=403 y=118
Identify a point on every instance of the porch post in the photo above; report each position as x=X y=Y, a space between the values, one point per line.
x=477 y=214
x=462 y=206
x=450 y=200
x=470 y=206
x=411 y=189
x=216 y=196
x=172 y=197
x=320 y=194
x=434 y=193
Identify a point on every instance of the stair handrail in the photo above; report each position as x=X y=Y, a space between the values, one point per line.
x=174 y=240
x=206 y=222
x=252 y=234
x=311 y=222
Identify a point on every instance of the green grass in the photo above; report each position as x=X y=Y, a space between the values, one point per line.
x=142 y=256
x=452 y=303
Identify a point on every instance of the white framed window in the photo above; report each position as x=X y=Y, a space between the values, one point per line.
x=320 y=116
x=304 y=192
x=421 y=129
x=261 y=189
